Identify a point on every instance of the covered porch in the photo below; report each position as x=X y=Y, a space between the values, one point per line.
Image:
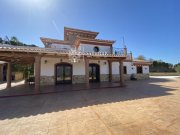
x=33 y=55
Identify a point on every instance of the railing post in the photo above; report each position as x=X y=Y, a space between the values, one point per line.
x=131 y=57
x=125 y=51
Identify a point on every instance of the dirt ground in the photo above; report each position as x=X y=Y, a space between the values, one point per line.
x=146 y=107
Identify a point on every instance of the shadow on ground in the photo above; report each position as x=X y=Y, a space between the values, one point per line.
x=26 y=106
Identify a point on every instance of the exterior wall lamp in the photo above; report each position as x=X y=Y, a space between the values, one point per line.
x=45 y=61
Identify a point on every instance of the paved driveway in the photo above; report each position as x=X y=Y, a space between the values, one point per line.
x=147 y=107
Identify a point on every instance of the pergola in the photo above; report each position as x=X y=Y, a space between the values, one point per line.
x=30 y=55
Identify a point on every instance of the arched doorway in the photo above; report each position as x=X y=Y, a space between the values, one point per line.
x=63 y=73
x=94 y=73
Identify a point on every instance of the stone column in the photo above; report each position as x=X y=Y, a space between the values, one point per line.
x=110 y=70
x=37 y=72
x=87 y=72
x=9 y=75
x=121 y=72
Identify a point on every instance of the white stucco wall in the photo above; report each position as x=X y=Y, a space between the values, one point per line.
x=61 y=46
x=47 y=69
x=130 y=69
x=90 y=48
x=104 y=68
x=79 y=68
x=115 y=68
x=145 y=69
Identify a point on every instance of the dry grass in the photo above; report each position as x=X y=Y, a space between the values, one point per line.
x=164 y=74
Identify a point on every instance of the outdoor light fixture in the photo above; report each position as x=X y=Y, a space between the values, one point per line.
x=45 y=61
x=74 y=55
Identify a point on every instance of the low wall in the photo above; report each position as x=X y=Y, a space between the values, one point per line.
x=142 y=76
x=115 y=77
x=104 y=77
x=78 y=79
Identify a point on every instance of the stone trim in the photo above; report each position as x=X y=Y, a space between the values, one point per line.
x=47 y=80
x=142 y=76
x=115 y=77
x=104 y=77
x=50 y=80
x=78 y=79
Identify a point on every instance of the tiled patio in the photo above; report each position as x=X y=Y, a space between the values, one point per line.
x=147 y=107
x=25 y=90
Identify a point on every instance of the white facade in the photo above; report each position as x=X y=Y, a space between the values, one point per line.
x=90 y=48
x=59 y=70
x=48 y=67
x=61 y=46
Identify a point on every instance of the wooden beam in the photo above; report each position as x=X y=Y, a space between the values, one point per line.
x=87 y=72
x=9 y=75
x=37 y=72
x=121 y=73
x=1 y=72
x=110 y=70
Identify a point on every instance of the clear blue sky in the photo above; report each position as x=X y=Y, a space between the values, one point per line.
x=150 y=27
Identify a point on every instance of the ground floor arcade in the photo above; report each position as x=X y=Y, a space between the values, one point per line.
x=90 y=69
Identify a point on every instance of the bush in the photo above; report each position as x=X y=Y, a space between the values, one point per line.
x=177 y=68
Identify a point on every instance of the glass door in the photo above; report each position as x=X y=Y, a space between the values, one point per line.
x=94 y=73
x=63 y=73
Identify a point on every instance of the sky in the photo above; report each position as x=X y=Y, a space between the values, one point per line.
x=149 y=27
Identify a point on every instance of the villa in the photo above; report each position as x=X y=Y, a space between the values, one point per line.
x=79 y=58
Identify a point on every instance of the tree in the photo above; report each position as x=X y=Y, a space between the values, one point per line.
x=160 y=66
x=14 y=40
x=177 y=68
x=141 y=57
x=1 y=40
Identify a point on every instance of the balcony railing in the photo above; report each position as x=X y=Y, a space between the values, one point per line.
x=129 y=56
x=115 y=52
x=118 y=51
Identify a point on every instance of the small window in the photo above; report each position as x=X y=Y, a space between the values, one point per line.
x=139 y=70
x=125 y=70
x=96 y=49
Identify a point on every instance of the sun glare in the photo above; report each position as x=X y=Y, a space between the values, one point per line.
x=35 y=3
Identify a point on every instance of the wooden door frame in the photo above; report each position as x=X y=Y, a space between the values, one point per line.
x=55 y=71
